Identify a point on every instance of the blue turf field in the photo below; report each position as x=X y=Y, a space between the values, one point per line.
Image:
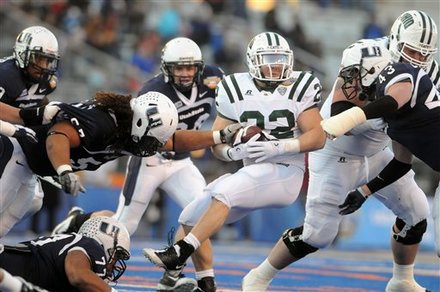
x=328 y=270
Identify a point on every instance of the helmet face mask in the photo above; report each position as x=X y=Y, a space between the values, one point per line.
x=36 y=53
x=413 y=39
x=362 y=62
x=269 y=58
x=114 y=238
x=182 y=63
x=155 y=119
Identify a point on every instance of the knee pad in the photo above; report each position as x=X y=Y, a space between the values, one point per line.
x=409 y=235
x=292 y=238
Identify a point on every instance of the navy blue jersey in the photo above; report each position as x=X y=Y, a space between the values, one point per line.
x=42 y=262
x=196 y=109
x=96 y=129
x=16 y=90
x=416 y=125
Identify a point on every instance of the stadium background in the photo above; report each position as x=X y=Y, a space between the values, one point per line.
x=115 y=45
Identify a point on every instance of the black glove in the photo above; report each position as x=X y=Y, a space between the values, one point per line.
x=39 y=115
x=32 y=116
x=23 y=132
x=29 y=287
x=71 y=183
x=353 y=201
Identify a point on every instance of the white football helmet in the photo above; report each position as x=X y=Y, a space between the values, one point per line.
x=35 y=42
x=114 y=238
x=417 y=31
x=363 y=60
x=266 y=49
x=155 y=119
x=181 y=51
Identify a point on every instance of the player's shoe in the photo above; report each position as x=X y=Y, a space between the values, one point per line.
x=67 y=224
x=206 y=284
x=252 y=282
x=176 y=281
x=395 y=285
x=29 y=287
x=166 y=258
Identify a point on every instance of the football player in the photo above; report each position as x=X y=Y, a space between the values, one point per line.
x=349 y=161
x=83 y=136
x=281 y=102
x=83 y=261
x=190 y=84
x=26 y=78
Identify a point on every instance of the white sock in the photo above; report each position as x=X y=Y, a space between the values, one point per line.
x=191 y=239
x=403 y=272
x=436 y=218
x=9 y=283
x=266 y=271
x=206 y=273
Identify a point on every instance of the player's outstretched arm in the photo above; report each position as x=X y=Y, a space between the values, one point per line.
x=80 y=274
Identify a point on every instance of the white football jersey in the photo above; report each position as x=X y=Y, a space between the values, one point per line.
x=276 y=113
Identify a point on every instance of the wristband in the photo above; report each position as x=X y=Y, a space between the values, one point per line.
x=216 y=137
x=360 y=190
x=292 y=146
x=7 y=129
x=64 y=167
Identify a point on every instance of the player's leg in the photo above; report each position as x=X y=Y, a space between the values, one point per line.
x=17 y=184
x=140 y=184
x=409 y=203
x=183 y=185
x=328 y=185
x=436 y=218
x=227 y=197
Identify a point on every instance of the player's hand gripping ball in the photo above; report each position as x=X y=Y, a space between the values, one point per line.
x=245 y=134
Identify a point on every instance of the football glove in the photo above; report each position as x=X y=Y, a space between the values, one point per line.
x=263 y=150
x=71 y=183
x=240 y=151
x=39 y=115
x=228 y=132
x=353 y=201
x=17 y=131
x=29 y=287
x=24 y=132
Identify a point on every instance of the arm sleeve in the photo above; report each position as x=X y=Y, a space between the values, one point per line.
x=382 y=107
x=392 y=172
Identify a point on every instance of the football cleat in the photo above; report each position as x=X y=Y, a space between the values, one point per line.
x=252 y=282
x=166 y=258
x=395 y=285
x=176 y=281
x=66 y=225
x=206 y=284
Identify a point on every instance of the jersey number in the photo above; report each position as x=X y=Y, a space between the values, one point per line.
x=280 y=132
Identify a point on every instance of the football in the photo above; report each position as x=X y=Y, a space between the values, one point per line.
x=247 y=133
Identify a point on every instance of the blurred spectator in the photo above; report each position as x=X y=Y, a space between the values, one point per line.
x=372 y=29
x=147 y=52
x=169 y=24
x=102 y=33
x=295 y=34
